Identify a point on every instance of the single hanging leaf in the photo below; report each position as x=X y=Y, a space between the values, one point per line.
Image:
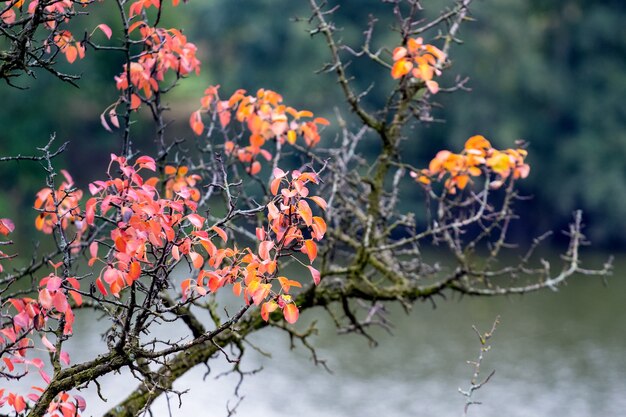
x=106 y=30
x=291 y=313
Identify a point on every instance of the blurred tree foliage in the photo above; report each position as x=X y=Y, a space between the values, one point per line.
x=549 y=72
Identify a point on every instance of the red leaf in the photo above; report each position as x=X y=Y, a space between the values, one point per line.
x=106 y=30
x=54 y=283
x=6 y=226
x=195 y=121
x=48 y=344
x=147 y=162
x=93 y=249
x=45 y=376
x=19 y=404
x=101 y=287
x=60 y=302
x=78 y=299
x=45 y=299
x=73 y=282
x=113 y=116
x=196 y=220
x=65 y=357
x=135 y=102
x=223 y=113
x=315 y=274
x=80 y=402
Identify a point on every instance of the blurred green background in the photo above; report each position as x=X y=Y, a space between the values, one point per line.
x=549 y=72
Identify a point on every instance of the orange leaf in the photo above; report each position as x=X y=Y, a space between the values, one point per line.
x=195 y=121
x=255 y=168
x=432 y=86
x=286 y=283
x=267 y=308
x=185 y=287
x=401 y=68
x=274 y=185
x=305 y=212
x=477 y=142
x=71 y=53
x=319 y=201
x=310 y=248
x=321 y=121
x=196 y=259
x=399 y=52
x=223 y=113
x=319 y=228
x=78 y=299
x=134 y=272
x=461 y=181
x=237 y=289
x=19 y=404
x=135 y=102
x=291 y=313
x=220 y=232
x=6 y=226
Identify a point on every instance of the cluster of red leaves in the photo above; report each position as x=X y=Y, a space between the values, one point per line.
x=54 y=9
x=53 y=13
x=165 y=50
x=292 y=228
x=29 y=316
x=60 y=207
x=265 y=117
x=420 y=60
x=141 y=218
x=6 y=227
x=69 y=46
x=140 y=5
x=477 y=157
x=147 y=224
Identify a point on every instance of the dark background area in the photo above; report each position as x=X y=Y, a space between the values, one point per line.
x=549 y=72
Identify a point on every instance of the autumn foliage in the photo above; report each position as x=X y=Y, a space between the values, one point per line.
x=150 y=215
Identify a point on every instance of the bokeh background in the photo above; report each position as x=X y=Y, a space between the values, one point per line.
x=549 y=72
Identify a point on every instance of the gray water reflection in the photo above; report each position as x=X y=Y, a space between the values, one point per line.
x=554 y=353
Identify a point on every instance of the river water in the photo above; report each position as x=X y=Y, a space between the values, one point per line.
x=554 y=353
